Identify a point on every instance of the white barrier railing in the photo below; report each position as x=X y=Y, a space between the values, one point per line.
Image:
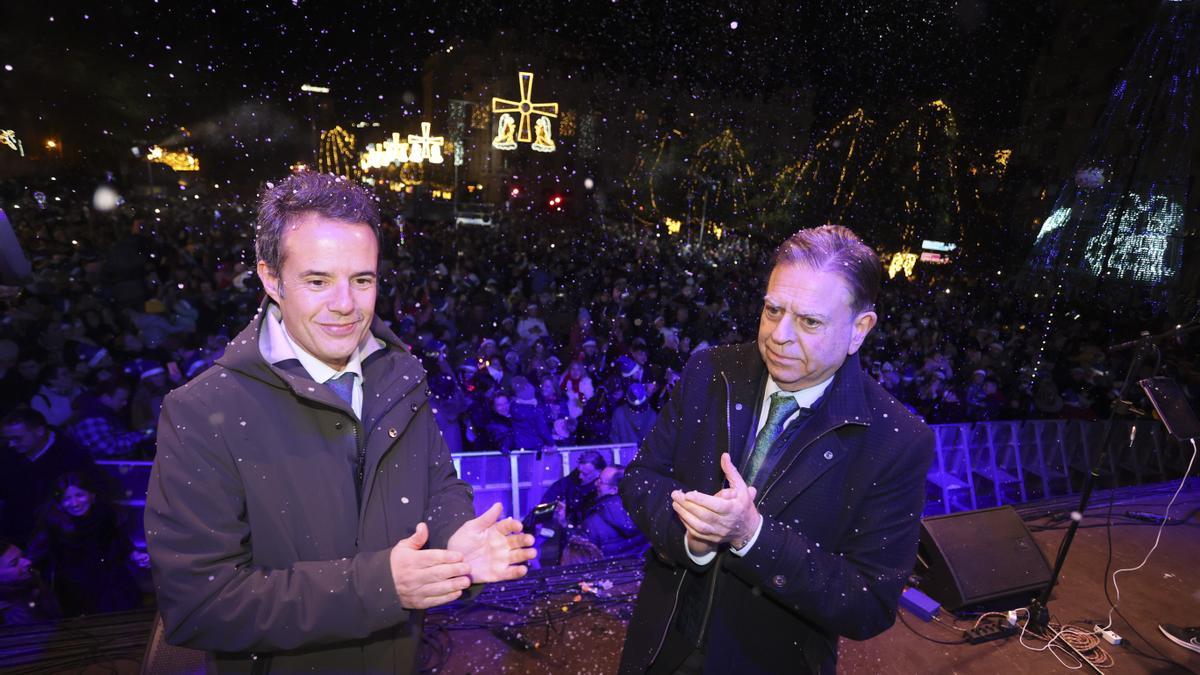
x=977 y=464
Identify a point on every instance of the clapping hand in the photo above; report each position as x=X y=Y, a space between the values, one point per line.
x=495 y=549
x=727 y=517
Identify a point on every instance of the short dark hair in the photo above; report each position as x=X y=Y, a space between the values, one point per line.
x=28 y=417
x=594 y=458
x=78 y=479
x=836 y=249
x=329 y=196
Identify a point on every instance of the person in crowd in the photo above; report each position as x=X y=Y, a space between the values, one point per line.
x=577 y=489
x=56 y=395
x=303 y=508
x=99 y=425
x=576 y=384
x=152 y=385
x=24 y=597
x=531 y=420
x=607 y=524
x=37 y=455
x=633 y=418
x=758 y=444
x=85 y=550
x=498 y=425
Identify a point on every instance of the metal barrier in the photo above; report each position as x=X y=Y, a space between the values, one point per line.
x=976 y=465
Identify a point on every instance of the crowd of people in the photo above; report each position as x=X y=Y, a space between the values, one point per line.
x=538 y=334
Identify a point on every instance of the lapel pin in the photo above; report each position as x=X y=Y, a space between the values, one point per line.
x=393 y=433
x=828 y=454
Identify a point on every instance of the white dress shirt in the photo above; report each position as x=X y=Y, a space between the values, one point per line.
x=275 y=345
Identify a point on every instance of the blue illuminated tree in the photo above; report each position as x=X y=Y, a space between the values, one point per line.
x=1118 y=222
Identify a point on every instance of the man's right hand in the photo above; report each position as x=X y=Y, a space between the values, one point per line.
x=427 y=578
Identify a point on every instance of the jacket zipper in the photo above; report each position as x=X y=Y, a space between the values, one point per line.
x=716 y=566
x=716 y=570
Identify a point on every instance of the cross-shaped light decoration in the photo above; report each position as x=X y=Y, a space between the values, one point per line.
x=525 y=107
x=423 y=147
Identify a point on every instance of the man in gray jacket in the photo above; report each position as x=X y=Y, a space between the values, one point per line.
x=303 y=508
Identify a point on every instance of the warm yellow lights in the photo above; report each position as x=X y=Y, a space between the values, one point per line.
x=179 y=160
x=51 y=144
x=9 y=137
x=673 y=226
x=424 y=147
x=393 y=151
x=902 y=261
x=337 y=152
x=543 y=142
x=525 y=108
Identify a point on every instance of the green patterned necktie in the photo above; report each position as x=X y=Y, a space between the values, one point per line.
x=782 y=407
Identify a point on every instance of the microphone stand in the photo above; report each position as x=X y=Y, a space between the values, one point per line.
x=1039 y=611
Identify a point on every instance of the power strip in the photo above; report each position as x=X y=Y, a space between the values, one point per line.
x=1109 y=636
x=992 y=630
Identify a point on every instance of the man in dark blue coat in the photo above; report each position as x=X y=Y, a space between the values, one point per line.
x=780 y=487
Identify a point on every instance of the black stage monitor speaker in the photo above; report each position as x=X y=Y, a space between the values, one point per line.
x=977 y=557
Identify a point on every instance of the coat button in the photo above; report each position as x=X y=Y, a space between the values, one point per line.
x=828 y=454
x=393 y=433
x=779 y=580
x=414 y=407
x=338 y=425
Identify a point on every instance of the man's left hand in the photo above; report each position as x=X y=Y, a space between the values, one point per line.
x=727 y=517
x=495 y=549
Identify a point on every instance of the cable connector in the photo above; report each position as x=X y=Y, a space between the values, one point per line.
x=1011 y=617
x=1109 y=636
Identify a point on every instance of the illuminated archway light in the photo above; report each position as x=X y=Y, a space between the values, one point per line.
x=525 y=107
x=723 y=160
x=932 y=118
x=804 y=173
x=337 y=152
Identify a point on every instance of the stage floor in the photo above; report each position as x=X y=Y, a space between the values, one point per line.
x=551 y=623
x=579 y=632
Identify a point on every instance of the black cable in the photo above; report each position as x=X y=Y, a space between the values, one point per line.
x=900 y=615
x=1104 y=582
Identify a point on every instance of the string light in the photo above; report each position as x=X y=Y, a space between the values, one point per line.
x=902 y=261
x=566 y=124
x=337 y=153
x=673 y=226
x=525 y=108
x=932 y=174
x=721 y=162
x=1145 y=240
x=391 y=151
x=178 y=160
x=804 y=175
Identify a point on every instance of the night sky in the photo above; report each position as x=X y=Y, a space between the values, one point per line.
x=140 y=69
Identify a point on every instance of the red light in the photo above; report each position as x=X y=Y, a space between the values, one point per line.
x=556 y=200
x=515 y=192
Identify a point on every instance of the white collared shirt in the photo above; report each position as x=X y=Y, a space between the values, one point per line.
x=276 y=345
x=806 y=398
